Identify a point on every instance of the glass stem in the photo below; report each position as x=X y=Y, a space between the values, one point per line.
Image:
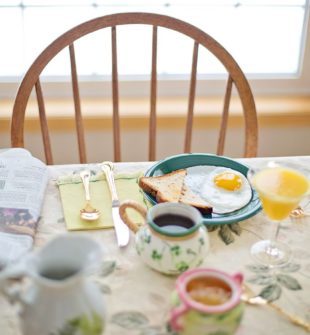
x=275 y=237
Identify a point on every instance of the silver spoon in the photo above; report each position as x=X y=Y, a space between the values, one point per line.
x=251 y=299
x=300 y=211
x=88 y=213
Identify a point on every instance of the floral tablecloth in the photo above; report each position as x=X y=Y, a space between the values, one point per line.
x=137 y=297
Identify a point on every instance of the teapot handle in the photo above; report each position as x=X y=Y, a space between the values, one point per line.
x=123 y=214
x=175 y=315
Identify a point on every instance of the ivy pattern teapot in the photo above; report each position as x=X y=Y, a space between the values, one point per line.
x=173 y=238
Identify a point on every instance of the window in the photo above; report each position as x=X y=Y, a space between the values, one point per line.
x=267 y=38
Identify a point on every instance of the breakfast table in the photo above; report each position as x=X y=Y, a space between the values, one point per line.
x=138 y=298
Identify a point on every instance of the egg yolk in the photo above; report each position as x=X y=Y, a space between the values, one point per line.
x=228 y=181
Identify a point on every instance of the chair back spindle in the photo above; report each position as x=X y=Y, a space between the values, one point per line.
x=43 y=123
x=191 y=101
x=115 y=99
x=77 y=107
x=153 y=98
x=224 y=120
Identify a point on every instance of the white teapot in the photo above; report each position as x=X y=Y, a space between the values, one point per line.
x=60 y=299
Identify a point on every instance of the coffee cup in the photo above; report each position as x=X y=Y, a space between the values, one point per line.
x=173 y=238
x=206 y=301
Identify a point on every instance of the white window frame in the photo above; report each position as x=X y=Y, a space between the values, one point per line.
x=298 y=84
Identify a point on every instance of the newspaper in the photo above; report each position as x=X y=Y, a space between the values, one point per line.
x=23 y=180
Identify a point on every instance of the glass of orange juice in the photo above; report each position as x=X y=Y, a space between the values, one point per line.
x=280 y=189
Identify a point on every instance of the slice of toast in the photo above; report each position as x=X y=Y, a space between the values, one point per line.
x=190 y=198
x=165 y=188
x=171 y=188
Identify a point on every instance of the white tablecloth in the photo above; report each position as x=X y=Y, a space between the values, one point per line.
x=138 y=298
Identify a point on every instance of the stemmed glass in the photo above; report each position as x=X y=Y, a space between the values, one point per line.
x=280 y=188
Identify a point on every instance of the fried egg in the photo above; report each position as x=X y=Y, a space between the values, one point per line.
x=225 y=189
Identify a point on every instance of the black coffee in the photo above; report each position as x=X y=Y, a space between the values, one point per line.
x=174 y=223
x=58 y=273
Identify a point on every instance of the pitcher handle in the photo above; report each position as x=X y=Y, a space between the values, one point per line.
x=123 y=214
x=15 y=271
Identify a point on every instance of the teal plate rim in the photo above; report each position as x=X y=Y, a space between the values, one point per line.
x=182 y=161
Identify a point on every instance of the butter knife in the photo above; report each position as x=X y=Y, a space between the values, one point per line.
x=121 y=229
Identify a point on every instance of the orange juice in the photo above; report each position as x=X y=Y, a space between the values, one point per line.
x=280 y=190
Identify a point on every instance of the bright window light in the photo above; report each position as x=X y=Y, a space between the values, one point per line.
x=265 y=37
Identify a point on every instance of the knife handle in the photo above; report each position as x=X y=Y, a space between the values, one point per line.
x=107 y=168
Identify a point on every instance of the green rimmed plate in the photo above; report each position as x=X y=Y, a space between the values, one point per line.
x=187 y=160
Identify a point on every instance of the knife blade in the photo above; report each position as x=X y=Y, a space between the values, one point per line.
x=121 y=229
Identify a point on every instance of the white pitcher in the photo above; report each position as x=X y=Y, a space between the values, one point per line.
x=60 y=299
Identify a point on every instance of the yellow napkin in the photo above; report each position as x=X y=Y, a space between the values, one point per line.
x=73 y=199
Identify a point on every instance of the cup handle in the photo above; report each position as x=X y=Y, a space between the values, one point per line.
x=175 y=314
x=123 y=214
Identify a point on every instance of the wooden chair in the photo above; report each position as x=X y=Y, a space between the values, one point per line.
x=200 y=38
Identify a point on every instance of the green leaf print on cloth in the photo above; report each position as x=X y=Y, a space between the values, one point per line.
x=130 y=319
x=226 y=232
x=134 y=320
x=274 y=281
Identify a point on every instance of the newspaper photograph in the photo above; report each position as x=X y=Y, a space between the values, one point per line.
x=23 y=180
